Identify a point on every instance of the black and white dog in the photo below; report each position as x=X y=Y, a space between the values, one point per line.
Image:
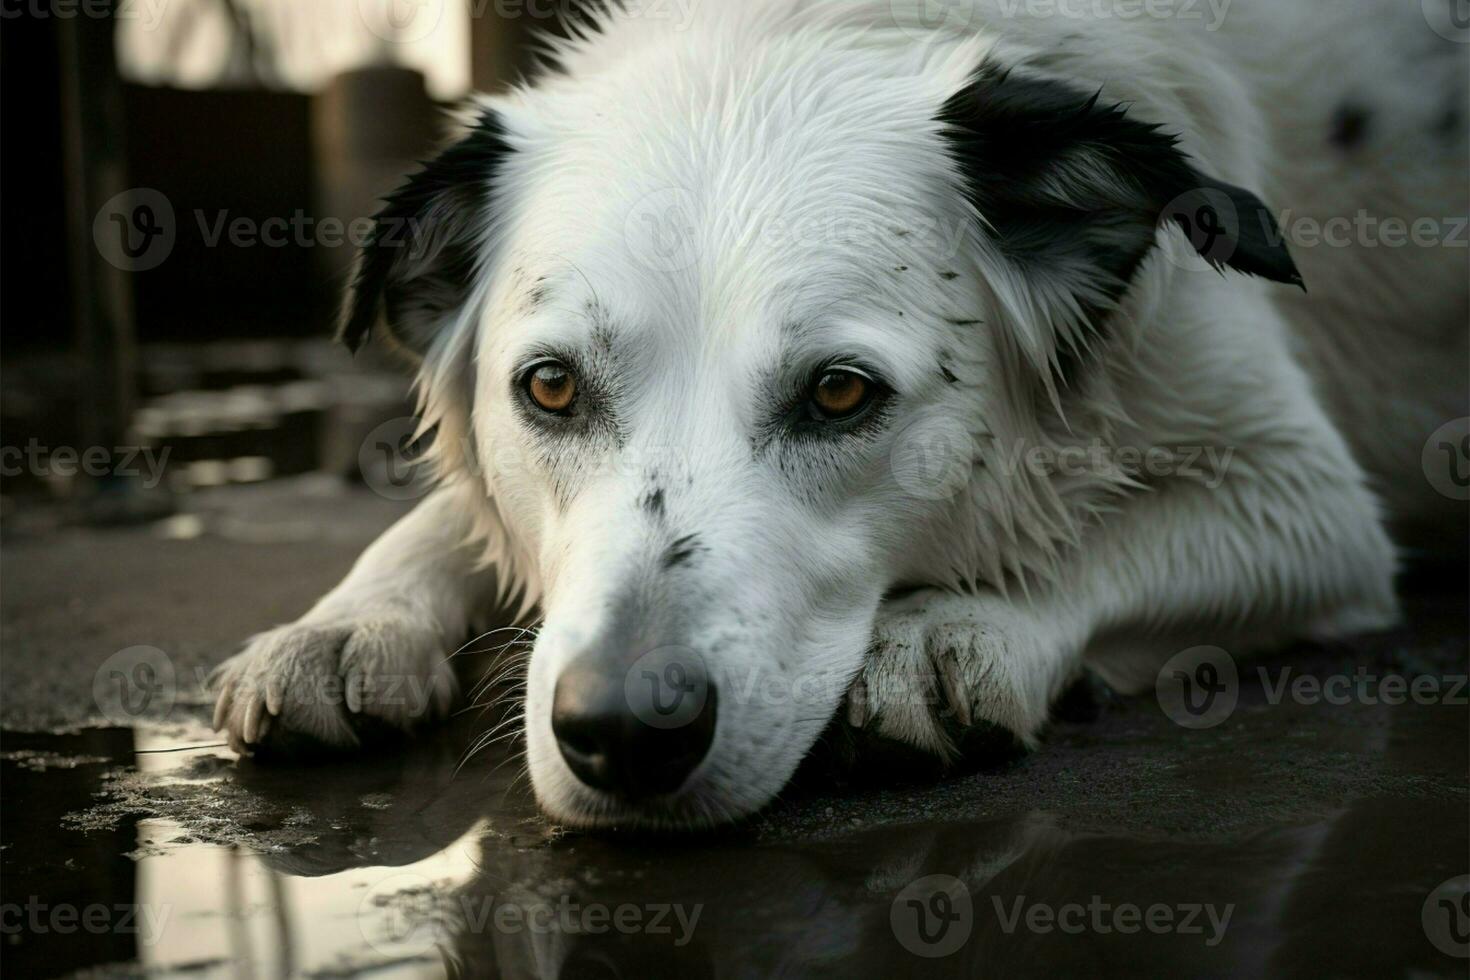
x=807 y=358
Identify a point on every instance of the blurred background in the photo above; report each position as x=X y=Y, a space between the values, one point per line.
x=183 y=184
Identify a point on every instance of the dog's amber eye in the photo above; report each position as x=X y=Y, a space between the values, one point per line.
x=552 y=387
x=839 y=394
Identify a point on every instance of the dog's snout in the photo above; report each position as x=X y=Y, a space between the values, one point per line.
x=636 y=734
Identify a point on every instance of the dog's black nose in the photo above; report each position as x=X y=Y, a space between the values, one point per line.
x=636 y=733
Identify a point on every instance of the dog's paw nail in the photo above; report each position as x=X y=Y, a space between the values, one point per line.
x=253 y=713
x=273 y=696
x=857 y=705
x=353 y=692
x=955 y=691
x=222 y=707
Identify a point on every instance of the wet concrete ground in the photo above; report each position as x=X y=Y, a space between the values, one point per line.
x=1303 y=835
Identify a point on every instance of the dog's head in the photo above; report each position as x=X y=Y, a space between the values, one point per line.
x=725 y=327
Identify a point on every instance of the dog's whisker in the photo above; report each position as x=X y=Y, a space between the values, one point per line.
x=507 y=670
x=510 y=666
x=500 y=688
x=488 y=737
x=502 y=629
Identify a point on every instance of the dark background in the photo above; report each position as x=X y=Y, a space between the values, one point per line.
x=194 y=352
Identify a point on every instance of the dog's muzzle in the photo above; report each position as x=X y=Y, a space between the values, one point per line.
x=634 y=732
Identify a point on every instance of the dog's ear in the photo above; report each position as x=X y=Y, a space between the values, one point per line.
x=1073 y=190
x=420 y=259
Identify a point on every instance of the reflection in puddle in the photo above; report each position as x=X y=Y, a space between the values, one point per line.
x=238 y=904
x=1298 y=840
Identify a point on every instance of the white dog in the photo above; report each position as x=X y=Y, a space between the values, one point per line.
x=809 y=360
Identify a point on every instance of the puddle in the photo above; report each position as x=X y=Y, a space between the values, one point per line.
x=1297 y=839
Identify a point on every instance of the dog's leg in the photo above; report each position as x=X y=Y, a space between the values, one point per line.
x=1290 y=543
x=376 y=646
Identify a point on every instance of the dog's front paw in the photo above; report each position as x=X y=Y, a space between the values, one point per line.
x=328 y=682
x=946 y=668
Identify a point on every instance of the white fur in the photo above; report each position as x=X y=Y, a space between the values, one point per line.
x=760 y=118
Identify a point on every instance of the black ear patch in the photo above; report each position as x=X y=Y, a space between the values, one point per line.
x=420 y=259
x=1073 y=190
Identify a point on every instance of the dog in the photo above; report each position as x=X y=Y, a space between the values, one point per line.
x=803 y=361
